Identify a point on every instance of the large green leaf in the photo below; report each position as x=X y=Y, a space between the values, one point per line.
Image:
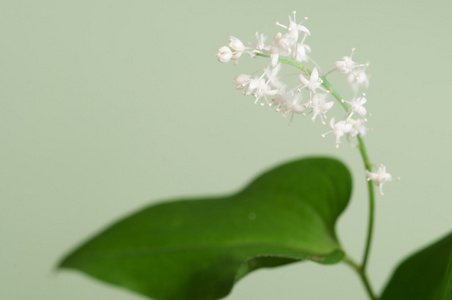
x=426 y=275
x=198 y=248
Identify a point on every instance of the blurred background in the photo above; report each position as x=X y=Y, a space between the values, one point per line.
x=108 y=106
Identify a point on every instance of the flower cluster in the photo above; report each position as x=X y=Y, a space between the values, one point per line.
x=311 y=96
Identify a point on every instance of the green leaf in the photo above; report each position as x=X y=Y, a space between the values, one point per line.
x=426 y=275
x=198 y=248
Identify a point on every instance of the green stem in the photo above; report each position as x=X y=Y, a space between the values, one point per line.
x=370 y=188
x=367 y=165
x=362 y=275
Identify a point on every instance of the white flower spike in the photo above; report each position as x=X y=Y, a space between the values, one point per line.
x=267 y=86
x=379 y=177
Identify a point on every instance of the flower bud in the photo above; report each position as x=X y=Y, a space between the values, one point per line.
x=236 y=44
x=241 y=81
x=224 y=54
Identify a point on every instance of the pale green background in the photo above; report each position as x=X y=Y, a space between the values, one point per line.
x=107 y=106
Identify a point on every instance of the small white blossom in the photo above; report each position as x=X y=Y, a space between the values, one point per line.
x=279 y=47
x=262 y=91
x=260 y=88
x=346 y=65
x=253 y=84
x=339 y=129
x=358 y=127
x=274 y=59
x=260 y=45
x=281 y=99
x=314 y=81
x=358 y=78
x=286 y=44
x=238 y=47
x=302 y=53
x=356 y=107
x=293 y=29
x=319 y=106
x=293 y=104
x=273 y=79
x=224 y=54
x=236 y=44
x=241 y=81
x=379 y=177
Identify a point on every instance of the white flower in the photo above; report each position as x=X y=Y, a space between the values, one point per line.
x=260 y=45
x=356 y=107
x=293 y=29
x=358 y=78
x=287 y=41
x=339 y=129
x=286 y=44
x=241 y=81
x=293 y=103
x=346 y=65
x=379 y=177
x=357 y=128
x=238 y=47
x=279 y=47
x=236 y=44
x=224 y=54
x=262 y=91
x=253 y=84
x=319 y=106
x=274 y=59
x=301 y=54
x=259 y=88
x=261 y=38
x=272 y=76
x=314 y=81
x=282 y=99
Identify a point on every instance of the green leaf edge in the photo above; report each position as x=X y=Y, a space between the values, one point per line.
x=443 y=290
x=249 y=264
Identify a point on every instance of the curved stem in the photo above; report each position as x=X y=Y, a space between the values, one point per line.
x=359 y=270
x=367 y=165
x=370 y=188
